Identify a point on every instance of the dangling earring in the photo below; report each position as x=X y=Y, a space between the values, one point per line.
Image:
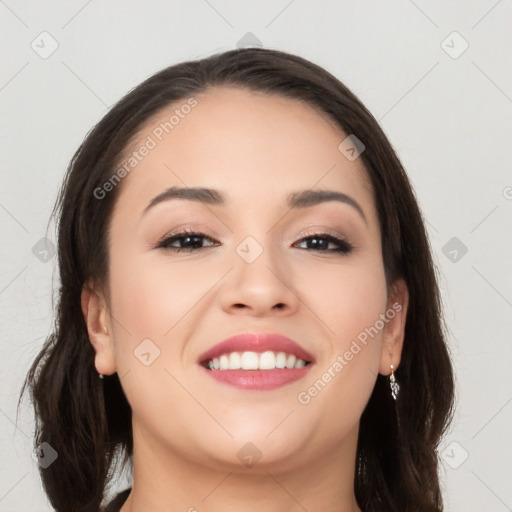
x=101 y=376
x=393 y=384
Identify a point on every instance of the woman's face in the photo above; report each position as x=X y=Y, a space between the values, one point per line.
x=265 y=266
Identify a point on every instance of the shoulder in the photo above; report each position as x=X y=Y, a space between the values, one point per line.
x=118 y=501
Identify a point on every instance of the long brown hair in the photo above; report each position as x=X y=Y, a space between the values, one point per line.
x=88 y=421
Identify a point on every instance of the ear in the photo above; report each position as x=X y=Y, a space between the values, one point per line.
x=99 y=328
x=394 y=327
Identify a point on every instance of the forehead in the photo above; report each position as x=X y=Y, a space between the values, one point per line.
x=255 y=147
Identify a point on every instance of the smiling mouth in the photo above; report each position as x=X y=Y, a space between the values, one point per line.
x=248 y=360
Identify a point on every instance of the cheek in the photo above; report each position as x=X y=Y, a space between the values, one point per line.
x=151 y=297
x=349 y=304
x=347 y=299
x=153 y=307
x=159 y=300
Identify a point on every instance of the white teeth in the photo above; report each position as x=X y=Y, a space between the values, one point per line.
x=235 y=361
x=290 y=361
x=223 y=362
x=267 y=360
x=249 y=361
x=280 y=360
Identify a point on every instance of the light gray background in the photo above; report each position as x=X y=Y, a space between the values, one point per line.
x=448 y=116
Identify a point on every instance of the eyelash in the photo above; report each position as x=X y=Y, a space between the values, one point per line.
x=344 y=247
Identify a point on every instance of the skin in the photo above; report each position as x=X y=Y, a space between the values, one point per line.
x=256 y=149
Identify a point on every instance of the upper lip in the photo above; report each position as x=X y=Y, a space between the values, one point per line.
x=257 y=342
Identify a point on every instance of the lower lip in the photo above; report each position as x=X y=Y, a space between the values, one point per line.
x=263 y=380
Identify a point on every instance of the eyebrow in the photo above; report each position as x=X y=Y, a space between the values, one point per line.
x=301 y=199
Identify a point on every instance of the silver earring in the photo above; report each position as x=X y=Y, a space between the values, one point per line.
x=393 y=384
x=101 y=376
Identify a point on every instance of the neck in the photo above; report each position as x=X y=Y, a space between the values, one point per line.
x=164 y=480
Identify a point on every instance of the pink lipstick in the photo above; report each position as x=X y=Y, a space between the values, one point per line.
x=261 y=361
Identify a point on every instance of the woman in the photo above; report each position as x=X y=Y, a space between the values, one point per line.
x=249 y=311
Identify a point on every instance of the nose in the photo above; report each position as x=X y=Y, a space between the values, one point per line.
x=259 y=286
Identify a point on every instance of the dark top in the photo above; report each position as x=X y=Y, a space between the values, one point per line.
x=116 y=504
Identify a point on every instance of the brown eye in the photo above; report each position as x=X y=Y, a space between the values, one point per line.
x=187 y=240
x=321 y=241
